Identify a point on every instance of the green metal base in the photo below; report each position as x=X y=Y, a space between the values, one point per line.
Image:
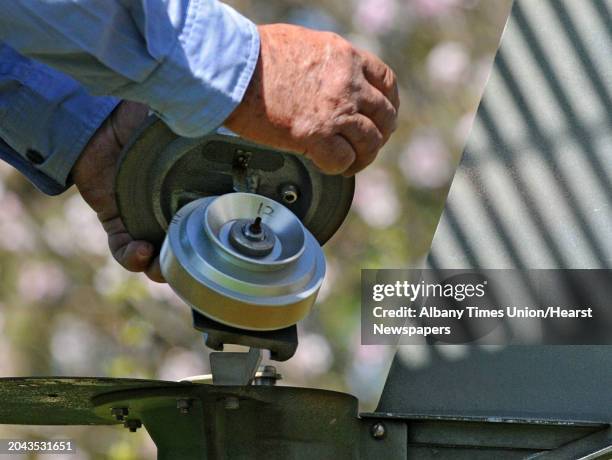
x=60 y=400
x=189 y=421
x=213 y=422
x=195 y=421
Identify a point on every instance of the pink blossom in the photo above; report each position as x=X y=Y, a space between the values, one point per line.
x=38 y=281
x=432 y=8
x=426 y=162
x=448 y=63
x=376 y=199
x=313 y=358
x=376 y=16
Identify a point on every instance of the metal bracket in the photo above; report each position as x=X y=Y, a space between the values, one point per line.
x=282 y=343
x=243 y=180
x=231 y=368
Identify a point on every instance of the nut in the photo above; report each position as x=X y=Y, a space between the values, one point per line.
x=132 y=424
x=290 y=193
x=184 y=405
x=119 y=413
x=378 y=430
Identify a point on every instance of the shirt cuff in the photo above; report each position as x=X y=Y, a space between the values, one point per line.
x=58 y=166
x=204 y=78
x=46 y=119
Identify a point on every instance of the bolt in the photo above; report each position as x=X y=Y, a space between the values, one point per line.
x=252 y=238
x=119 y=413
x=266 y=376
x=255 y=227
x=242 y=159
x=184 y=405
x=132 y=424
x=378 y=431
x=290 y=194
x=232 y=403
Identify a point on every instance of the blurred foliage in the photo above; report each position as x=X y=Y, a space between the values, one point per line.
x=66 y=308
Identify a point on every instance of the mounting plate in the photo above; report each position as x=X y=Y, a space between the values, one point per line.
x=281 y=343
x=160 y=172
x=62 y=400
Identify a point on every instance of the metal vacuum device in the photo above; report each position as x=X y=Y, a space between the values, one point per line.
x=239 y=228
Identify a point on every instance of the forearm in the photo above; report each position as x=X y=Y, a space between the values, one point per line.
x=191 y=62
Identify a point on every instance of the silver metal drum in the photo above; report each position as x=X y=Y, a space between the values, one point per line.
x=243 y=260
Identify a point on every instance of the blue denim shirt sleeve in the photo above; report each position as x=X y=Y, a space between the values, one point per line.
x=189 y=60
x=46 y=119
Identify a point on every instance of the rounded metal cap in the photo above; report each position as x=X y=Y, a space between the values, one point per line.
x=243 y=260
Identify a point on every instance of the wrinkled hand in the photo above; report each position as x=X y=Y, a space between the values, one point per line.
x=311 y=93
x=94 y=176
x=314 y=93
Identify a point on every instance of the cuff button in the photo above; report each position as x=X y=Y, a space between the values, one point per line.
x=35 y=157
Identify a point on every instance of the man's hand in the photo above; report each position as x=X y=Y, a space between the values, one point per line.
x=314 y=93
x=94 y=176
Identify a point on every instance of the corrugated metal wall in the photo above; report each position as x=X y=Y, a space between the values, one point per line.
x=533 y=190
x=534 y=186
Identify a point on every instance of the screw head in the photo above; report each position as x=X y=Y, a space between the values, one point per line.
x=242 y=158
x=232 y=403
x=184 y=405
x=119 y=413
x=378 y=430
x=132 y=424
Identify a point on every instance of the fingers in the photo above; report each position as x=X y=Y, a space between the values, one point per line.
x=381 y=77
x=332 y=155
x=378 y=103
x=134 y=256
x=351 y=149
x=154 y=272
x=373 y=104
x=365 y=138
